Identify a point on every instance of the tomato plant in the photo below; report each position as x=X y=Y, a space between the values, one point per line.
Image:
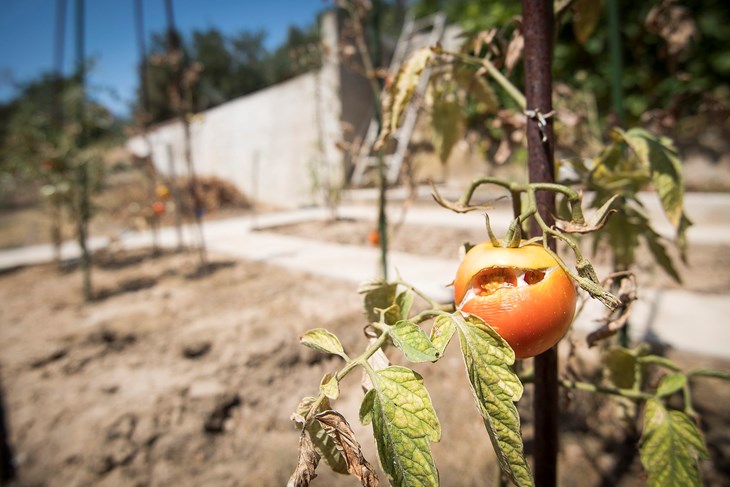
x=520 y=292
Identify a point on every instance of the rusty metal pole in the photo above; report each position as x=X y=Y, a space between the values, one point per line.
x=537 y=27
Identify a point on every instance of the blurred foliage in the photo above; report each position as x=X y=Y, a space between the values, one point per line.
x=230 y=66
x=676 y=57
x=39 y=127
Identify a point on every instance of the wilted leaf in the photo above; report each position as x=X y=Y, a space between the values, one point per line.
x=514 y=51
x=339 y=431
x=496 y=387
x=674 y=23
x=671 y=383
x=671 y=447
x=620 y=367
x=324 y=444
x=323 y=341
x=404 y=301
x=666 y=169
x=478 y=87
x=306 y=464
x=596 y=222
x=441 y=332
x=585 y=18
x=657 y=249
x=379 y=295
x=404 y=422
x=401 y=91
x=413 y=342
x=447 y=120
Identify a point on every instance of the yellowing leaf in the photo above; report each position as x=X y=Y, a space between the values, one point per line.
x=413 y=342
x=662 y=160
x=671 y=447
x=447 y=120
x=496 y=387
x=401 y=90
x=323 y=341
x=586 y=14
x=379 y=294
x=404 y=423
x=671 y=383
x=441 y=332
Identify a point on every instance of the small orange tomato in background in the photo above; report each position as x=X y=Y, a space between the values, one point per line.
x=158 y=208
x=162 y=191
x=374 y=238
x=520 y=292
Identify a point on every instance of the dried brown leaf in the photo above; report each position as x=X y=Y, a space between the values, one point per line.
x=307 y=463
x=514 y=51
x=337 y=427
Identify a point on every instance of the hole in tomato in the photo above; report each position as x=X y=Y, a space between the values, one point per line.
x=489 y=280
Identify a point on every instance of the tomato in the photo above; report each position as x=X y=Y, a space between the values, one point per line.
x=158 y=208
x=520 y=292
x=162 y=191
x=374 y=238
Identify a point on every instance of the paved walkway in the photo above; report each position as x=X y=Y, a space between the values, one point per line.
x=689 y=321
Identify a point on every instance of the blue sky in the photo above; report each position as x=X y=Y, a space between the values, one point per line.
x=27 y=30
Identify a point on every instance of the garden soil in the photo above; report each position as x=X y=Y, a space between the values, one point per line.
x=173 y=377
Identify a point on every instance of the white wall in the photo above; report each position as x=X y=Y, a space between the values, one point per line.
x=272 y=144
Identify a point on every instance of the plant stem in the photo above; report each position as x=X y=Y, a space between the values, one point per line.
x=361 y=360
x=613 y=391
x=496 y=75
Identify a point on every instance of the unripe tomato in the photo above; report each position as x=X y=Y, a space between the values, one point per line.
x=520 y=292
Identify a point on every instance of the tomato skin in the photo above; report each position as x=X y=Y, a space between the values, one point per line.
x=531 y=317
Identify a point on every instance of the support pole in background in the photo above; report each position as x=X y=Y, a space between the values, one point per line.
x=83 y=207
x=537 y=27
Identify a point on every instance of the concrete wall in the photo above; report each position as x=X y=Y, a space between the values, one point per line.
x=277 y=145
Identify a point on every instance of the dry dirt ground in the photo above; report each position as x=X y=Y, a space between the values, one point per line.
x=171 y=378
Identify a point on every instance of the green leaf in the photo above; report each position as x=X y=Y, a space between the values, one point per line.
x=447 y=121
x=671 y=447
x=404 y=423
x=670 y=384
x=413 y=342
x=620 y=367
x=404 y=301
x=659 y=251
x=666 y=169
x=478 y=87
x=496 y=387
x=379 y=294
x=441 y=332
x=323 y=341
x=585 y=18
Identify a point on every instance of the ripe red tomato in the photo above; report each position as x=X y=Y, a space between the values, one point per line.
x=521 y=292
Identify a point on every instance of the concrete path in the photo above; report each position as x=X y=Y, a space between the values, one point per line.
x=690 y=321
